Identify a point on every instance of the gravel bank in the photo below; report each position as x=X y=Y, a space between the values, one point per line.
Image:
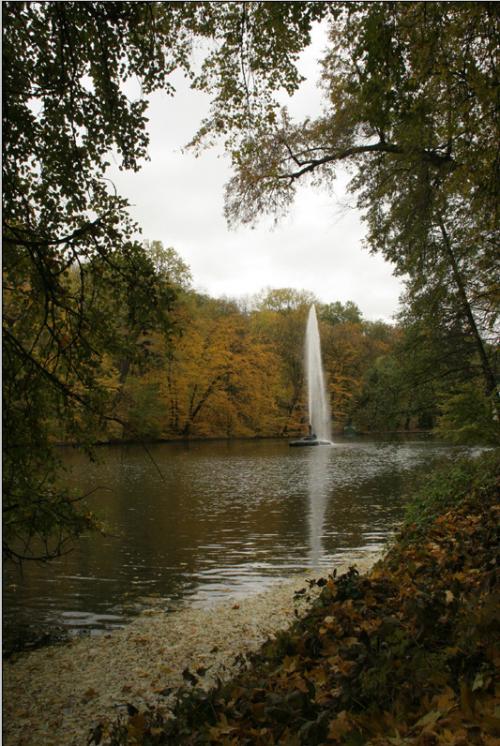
x=56 y=695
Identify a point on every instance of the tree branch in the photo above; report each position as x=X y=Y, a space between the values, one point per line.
x=309 y=165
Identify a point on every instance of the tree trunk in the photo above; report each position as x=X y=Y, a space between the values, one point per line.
x=489 y=376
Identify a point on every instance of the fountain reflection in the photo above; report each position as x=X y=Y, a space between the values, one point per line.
x=318 y=492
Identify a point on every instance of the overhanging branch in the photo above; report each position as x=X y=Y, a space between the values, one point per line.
x=310 y=164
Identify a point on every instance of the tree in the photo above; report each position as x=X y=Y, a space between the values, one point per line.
x=280 y=319
x=438 y=357
x=175 y=277
x=220 y=379
x=412 y=90
x=351 y=350
x=284 y=300
x=466 y=416
x=71 y=256
x=340 y=313
x=74 y=278
x=382 y=401
x=412 y=107
x=430 y=377
x=169 y=265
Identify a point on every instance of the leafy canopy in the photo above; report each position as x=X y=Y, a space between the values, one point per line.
x=411 y=108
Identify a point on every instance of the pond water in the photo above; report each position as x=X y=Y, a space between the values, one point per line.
x=227 y=517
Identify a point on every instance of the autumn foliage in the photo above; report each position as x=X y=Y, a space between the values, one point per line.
x=226 y=370
x=405 y=656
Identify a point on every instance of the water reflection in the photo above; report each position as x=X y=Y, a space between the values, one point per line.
x=318 y=487
x=229 y=518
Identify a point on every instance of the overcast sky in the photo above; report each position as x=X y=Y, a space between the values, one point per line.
x=178 y=199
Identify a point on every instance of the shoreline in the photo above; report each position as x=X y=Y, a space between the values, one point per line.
x=56 y=694
x=242 y=438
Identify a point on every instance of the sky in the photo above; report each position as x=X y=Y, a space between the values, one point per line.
x=178 y=199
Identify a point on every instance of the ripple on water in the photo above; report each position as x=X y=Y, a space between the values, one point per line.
x=235 y=515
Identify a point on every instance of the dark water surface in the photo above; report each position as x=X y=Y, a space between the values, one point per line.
x=230 y=517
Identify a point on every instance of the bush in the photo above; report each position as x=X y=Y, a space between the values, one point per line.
x=468 y=417
x=449 y=484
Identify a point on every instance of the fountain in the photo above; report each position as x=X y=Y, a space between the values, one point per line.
x=317 y=397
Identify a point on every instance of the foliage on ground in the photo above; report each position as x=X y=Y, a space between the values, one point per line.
x=406 y=655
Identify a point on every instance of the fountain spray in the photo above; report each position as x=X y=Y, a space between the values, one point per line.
x=318 y=404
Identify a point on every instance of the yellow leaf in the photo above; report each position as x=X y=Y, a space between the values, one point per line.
x=329 y=647
x=222 y=728
x=297 y=682
x=446 y=737
x=136 y=724
x=318 y=676
x=429 y=719
x=350 y=641
x=289 y=664
x=445 y=700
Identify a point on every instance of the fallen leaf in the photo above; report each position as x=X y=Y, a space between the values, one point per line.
x=429 y=719
x=136 y=724
x=222 y=728
x=290 y=664
x=339 y=727
x=445 y=700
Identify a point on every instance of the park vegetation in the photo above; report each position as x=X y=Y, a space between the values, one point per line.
x=234 y=368
x=104 y=337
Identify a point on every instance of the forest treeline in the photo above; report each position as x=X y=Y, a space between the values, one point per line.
x=234 y=368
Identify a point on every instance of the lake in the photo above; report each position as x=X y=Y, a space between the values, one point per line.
x=228 y=517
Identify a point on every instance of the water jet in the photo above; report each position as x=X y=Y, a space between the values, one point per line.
x=317 y=396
